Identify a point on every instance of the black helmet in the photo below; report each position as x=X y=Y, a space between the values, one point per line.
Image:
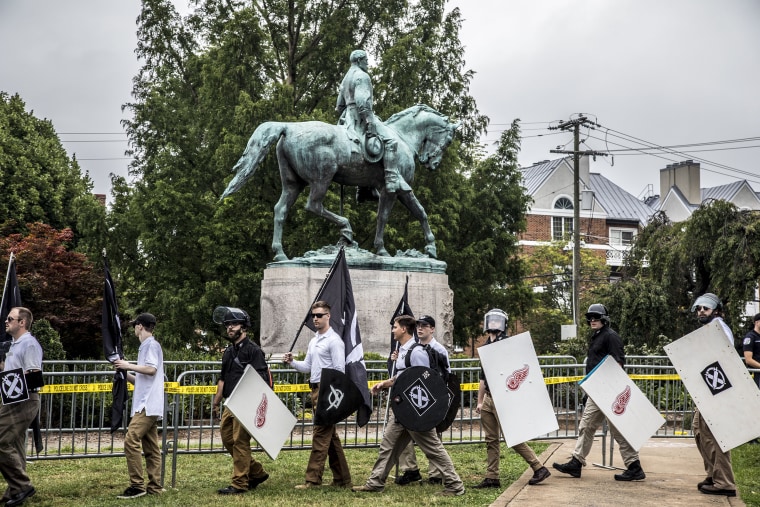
x=495 y=319
x=598 y=311
x=225 y=315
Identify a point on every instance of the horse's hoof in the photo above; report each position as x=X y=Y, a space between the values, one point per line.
x=382 y=252
x=431 y=251
x=280 y=257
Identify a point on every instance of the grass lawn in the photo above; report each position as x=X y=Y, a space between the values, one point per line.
x=95 y=482
x=746 y=464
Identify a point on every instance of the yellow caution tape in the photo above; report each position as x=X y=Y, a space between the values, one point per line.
x=175 y=388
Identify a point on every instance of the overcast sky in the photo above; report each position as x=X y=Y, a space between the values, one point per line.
x=669 y=73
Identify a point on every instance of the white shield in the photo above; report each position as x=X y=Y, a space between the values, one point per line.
x=261 y=412
x=719 y=384
x=518 y=389
x=622 y=402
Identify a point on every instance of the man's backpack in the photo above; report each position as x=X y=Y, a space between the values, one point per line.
x=438 y=362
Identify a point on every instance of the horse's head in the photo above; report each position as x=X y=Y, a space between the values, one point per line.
x=426 y=130
x=437 y=139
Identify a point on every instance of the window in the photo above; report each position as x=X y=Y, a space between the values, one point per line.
x=622 y=237
x=562 y=228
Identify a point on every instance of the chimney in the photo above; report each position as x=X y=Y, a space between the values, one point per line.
x=584 y=171
x=685 y=176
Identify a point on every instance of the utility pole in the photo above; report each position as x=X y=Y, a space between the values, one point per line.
x=576 y=124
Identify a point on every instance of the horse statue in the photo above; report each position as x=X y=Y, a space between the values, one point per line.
x=314 y=153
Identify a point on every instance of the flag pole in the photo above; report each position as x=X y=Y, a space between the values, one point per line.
x=316 y=298
x=7 y=275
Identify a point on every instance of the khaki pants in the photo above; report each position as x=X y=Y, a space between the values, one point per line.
x=591 y=420
x=325 y=445
x=237 y=441
x=717 y=463
x=142 y=437
x=14 y=421
x=395 y=439
x=489 y=421
x=407 y=460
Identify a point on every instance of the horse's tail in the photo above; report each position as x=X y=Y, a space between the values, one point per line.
x=258 y=146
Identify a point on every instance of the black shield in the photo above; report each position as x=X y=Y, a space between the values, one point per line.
x=419 y=398
x=338 y=398
x=455 y=401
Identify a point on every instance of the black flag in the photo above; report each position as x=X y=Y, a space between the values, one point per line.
x=401 y=309
x=11 y=297
x=338 y=398
x=338 y=293
x=112 y=348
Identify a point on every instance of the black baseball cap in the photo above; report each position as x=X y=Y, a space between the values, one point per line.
x=427 y=319
x=756 y=317
x=146 y=319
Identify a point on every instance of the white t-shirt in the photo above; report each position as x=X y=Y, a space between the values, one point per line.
x=325 y=351
x=25 y=353
x=149 y=389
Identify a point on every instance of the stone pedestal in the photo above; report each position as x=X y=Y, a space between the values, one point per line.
x=287 y=292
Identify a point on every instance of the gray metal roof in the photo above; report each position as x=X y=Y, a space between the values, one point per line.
x=723 y=192
x=535 y=175
x=619 y=204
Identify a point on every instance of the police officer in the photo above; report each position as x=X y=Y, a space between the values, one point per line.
x=247 y=472
x=495 y=325
x=751 y=347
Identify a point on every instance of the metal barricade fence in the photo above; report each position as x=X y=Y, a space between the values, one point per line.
x=76 y=406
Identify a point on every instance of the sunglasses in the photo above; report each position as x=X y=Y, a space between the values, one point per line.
x=11 y=319
x=703 y=308
x=318 y=315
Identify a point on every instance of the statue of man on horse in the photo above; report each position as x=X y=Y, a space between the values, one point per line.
x=355 y=106
x=315 y=154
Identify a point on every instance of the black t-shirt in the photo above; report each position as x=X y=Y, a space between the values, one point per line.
x=752 y=343
x=604 y=342
x=500 y=336
x=246 y=352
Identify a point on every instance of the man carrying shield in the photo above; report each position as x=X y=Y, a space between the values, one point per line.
x=247 y=473
x=603 y=342
x=495 y=324
x=326 y=350
x=720 y=474
x=25 y=355
x=396 y=437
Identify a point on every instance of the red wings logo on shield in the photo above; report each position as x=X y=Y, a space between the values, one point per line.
x=515 y=380
x=621 y=401
x=261 y=411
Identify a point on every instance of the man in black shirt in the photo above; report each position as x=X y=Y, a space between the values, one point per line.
x=751 y=347
x=247 y=472
x=603 y=342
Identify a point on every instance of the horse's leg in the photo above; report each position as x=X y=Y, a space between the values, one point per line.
x=317 y=191
x=290 y=191
x=291 y=188
x=384 y=207
x=415 y=208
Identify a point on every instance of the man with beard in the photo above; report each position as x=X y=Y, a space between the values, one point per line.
x=720 y=474
x=247 y=473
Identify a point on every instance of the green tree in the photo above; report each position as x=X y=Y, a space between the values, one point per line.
x=716 y=250
x=40 y=183
x=207 y=81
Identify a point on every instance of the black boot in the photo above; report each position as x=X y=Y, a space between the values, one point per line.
x=633 y=473
x=488 y=483
x=572 y=467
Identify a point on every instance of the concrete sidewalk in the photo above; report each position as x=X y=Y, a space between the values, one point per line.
x=673 y=468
